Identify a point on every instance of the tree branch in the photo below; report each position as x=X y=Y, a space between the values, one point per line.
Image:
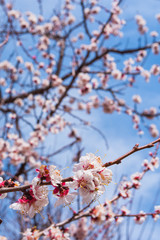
x=134 y=149
x=70 y=179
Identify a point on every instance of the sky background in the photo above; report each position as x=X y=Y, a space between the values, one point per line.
x=119 y=132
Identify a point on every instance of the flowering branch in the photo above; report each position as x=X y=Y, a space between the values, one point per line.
x=70 y=179
x=139 y=217
x=136 y=148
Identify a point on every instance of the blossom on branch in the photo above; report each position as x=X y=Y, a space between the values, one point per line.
x=90 y=177
x=49 y=174
x=31 y=233
x=30 y=204
x=56 y=234
x=140 y=218
x=7 y=184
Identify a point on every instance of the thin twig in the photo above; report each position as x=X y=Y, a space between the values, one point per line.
x=5 y=41
x=134 y=149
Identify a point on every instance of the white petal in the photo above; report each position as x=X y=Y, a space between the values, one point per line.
x=3 y=195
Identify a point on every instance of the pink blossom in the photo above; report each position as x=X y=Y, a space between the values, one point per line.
x=155 y=69
x=155 y=162
x=31 y=17
x=146 y=74
x=155 y=48
x=29 y=205
x=117 y=74
x=54 y=175
x=157 y=209
x=124 y=210
x=62 y=193
x=99 y=214
x=80 y=230
x=14 y=13
x=154 y=34
x=31 y=234
x=109 y=106
x=158 y=17
x=89 y=161
x=39 y=192
x=141 y=24
x=153 y=130
x=43 y=172
x=29 y=66
x=124 y=189
x=137 y=99
x=90 y=177
x=140 y=218
x=147 y=165
x=56 y=234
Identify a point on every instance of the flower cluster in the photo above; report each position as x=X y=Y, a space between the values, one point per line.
x=61 y=190
x=51 y=233
x=49 y=174
x=31 y=233
x=32 y=201
x=154 y=163
x=102 y=213
x=56 y=234
x=80 y=230
x=90 y=177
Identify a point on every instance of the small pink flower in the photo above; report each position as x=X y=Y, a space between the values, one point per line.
x=99 y=214
x=63 y=195
x=140 y=218
x=43 y=172
x=31 y=204
x=6 y=184
x=137 y=99
x=157 y=209
x=155 y=162
x=147 y=165
x=124 y=210
x=55 y=176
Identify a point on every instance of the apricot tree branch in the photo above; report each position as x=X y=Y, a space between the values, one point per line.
x=88 y=214
x=136 y=148
x=70 y=179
